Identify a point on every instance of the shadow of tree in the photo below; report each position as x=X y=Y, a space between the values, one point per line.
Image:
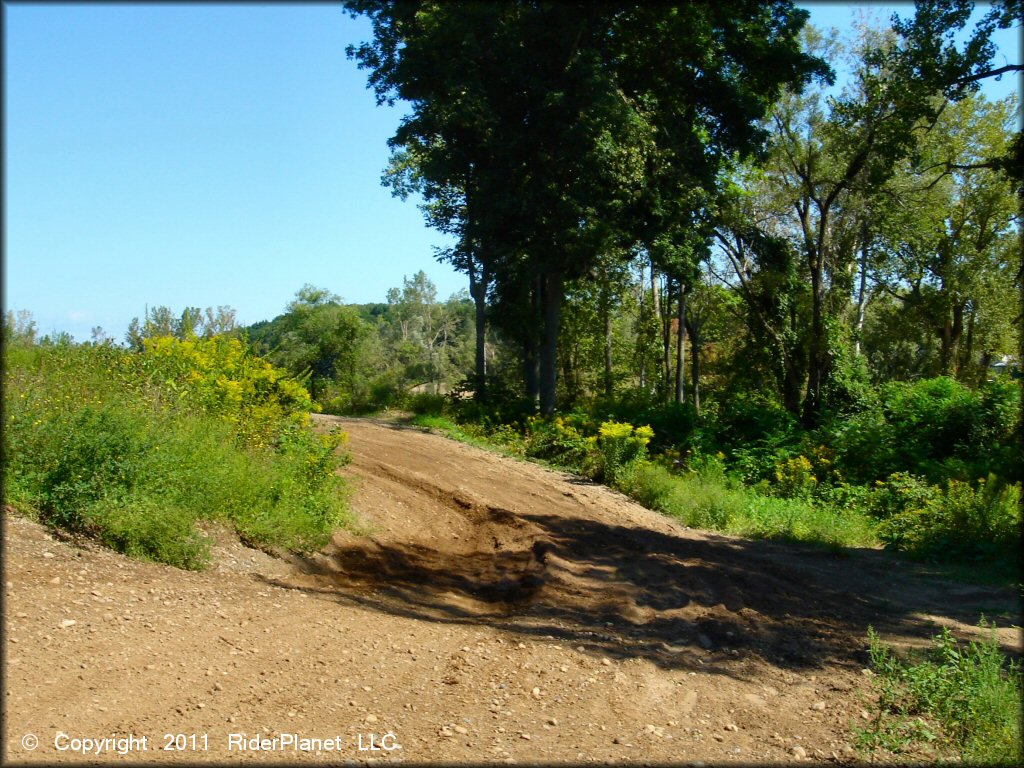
x=678 y=601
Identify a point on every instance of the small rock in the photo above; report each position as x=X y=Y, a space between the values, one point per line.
x=446 y=732
x=799 y=752
x=731 y=727
x=704 y=641
x=535 y=693
x=55 y=580
x=47 y=555
x=818 y=706
x=865 y=714
x=68 y=623
x=552 y=721
x=606 y=662
x=460 y=730
x=718 y=737
x=525 y=736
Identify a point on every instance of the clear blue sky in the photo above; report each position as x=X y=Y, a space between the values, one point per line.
x=204 y=155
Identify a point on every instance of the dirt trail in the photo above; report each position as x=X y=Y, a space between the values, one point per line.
x=492 y=611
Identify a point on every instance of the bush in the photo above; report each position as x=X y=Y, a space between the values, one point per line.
x=710 y=501
x=795 y=478
x=623 y=450
x=559 y=442
x=425 y=403
x=147 y=529
x=936 y=428
x=116 y=445
x=970 y=694
x=957 y=522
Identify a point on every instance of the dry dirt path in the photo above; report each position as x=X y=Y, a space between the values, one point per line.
x=491 y=611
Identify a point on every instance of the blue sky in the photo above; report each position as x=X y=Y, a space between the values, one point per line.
x=204 y=155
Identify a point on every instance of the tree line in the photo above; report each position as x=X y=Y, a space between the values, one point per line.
x=629 y=184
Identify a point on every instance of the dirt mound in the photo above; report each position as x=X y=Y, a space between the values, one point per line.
x=491 y=610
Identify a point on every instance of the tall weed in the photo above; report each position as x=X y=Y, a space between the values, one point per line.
x=109 y=443
x=955 y=701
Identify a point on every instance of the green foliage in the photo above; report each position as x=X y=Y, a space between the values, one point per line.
x=623 y=452
x=955 y=701
x=557 y=441
x=360 y=359
x=957 y=522
x=795 y=478
x=137 y=449
x=219 y=376
x=426 y=403
x=937 y=428
x=708 y=500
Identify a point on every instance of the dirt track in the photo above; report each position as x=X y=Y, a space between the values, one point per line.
x=493 y=611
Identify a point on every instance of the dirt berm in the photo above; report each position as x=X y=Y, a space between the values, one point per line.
x=490 y=611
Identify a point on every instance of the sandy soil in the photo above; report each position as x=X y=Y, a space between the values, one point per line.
x=489 y=611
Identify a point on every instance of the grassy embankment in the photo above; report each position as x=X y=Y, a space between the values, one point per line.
x=138 y=450
x=959 y=703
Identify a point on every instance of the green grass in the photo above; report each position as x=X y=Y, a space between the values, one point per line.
x=91 y=449
x=708 y=500
x=953 y=703
x=711 y=501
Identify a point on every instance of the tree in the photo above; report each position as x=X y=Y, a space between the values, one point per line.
x=318 y=339
x=929 y=59
x=424 y=332
x=549 y=119
x=945 y=248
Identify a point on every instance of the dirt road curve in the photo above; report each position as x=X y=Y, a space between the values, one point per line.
x=493 y=611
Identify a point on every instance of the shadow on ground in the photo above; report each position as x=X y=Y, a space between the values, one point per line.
x=680 y=602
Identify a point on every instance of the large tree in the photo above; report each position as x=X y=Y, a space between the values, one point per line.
x=573 y=129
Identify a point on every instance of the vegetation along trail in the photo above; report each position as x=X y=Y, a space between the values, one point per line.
x=490 y=610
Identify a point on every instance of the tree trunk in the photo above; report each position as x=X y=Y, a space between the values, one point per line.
x=551 y=305
x=695 y=344
x=478 y=280
x=986 y=361
x=641 y=346
x=666 y=342
x=964 y=361
x=607 y=311
x=531 y=372
x=681 y=347
x=818 y=354
x=861 y=292
x=531 y=377
x=951 y=333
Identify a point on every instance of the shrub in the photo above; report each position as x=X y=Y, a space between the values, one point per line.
x=970 y=694
x=220 y=376
x=557 y=441
x=936 y=428
x=141 y=527
x=116 y=445
x=623 y=450
x=426 y=403
x=709 y=501
x=795 y=478
x=957 y=522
